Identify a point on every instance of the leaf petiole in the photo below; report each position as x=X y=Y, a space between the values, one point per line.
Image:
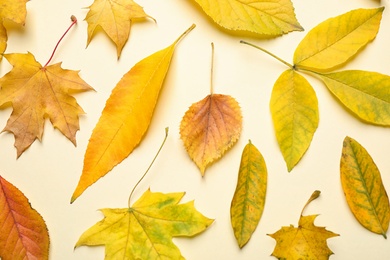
x=150 y=166
x=269 y=53
x=74 y=21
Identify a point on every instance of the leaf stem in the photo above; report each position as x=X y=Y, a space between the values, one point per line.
x=74 y=21
x=269 y=53
x=313 y=196
x=150 y=166
x=185 y=33
x=212 y=69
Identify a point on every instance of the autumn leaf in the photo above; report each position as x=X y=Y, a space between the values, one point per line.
x=249 y=197
x=10 y=10
x=126 y=116
x=115 y=17
x=23 y=233
x=324 y=48
x=307 y=241
x=272 y=17
x=294 y=110
x=363 y=188
x=145 y=230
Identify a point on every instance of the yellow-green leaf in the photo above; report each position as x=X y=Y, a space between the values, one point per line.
x=249 y=198
x=334 y=41
x=294 y=110
x=363 y=187
x=145 y=230
x=367 y=94
x=271 y=17
x=126 y=116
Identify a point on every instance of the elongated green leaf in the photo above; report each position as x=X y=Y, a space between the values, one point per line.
x=294 y=110
x=249 y=198
x=367 y=94
x=336 y=40
x=363 y=187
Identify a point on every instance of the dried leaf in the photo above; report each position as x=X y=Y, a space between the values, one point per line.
x=12 y=10
x=272 y=17
x=307 y=241
x=38 y=92
x=115 y=18
x=336 y=40
x=126 y=116
x=367 y=94
x=210 y=127
x=23 y=231
x=145 y=231
x=363 y=187
x=294 y=110
x=249 y=197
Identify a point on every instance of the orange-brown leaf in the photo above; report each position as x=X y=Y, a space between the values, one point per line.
x=38 y=92
x=210 y=127
x=23 y=233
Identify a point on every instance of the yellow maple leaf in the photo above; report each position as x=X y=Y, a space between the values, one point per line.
x=115 y=18
x=10 y=10
x=272 y=17
x=307 y=241
x=126 y=116
x=145 y=230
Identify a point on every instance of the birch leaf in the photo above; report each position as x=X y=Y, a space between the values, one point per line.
x=145 y=230
x=210 y=127
x=249 y=197
x=363 y=188
x=307 y=241
x=126 y=116
x=367 y=94
x=294 y=110
x=271 y=17
x=336 y=40
x=23 y=233
x=115 y=18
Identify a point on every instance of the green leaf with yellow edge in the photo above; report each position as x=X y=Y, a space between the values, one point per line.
x=249 y=198
x=145 y=230
x=271 y=17
x=367 y=94
x=294 y=110
x=307 y=241
x=363 y=188
x=336 y=40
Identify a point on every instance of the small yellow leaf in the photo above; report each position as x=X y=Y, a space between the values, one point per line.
x=145 y=230
x=210 y=127
x=363 y=187
x=367 y=94
x=249 y=198
x=126 y=116
x=334 y=41
x=272 y=17
x=115 y=18
x=307 y=241
x=294 y=110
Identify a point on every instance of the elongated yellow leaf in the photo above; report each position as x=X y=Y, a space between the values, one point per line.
x=363 y=187
x=294 y=110
x=367 y=94
x=126 y=116
x=336 y=40
x=249 y=198
x=271 y=17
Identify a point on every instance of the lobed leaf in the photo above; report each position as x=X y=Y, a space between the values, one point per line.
x=367 y=94
x=270 y=17
x=363 y=188
x=249 y=197
x=294 y=111
x=336 y=40
x=23 y=233
x=145 y=231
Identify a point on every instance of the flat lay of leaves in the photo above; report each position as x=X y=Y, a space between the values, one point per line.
x=267 y=133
